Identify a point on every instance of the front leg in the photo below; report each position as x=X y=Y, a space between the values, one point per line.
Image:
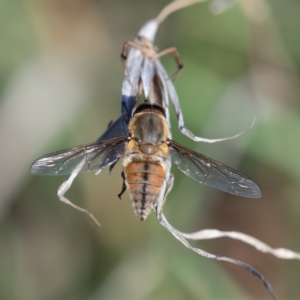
x=124 y=53
x=175 y=53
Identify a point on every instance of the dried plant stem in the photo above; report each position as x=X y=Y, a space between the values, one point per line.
x=176 y=5
x=65 y=186
x=180 y=237
x=206 y=234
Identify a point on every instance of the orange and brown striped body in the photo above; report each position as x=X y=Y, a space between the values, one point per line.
x=144 y=182
x=146 y=161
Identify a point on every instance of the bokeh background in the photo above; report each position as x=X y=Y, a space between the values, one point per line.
x=60 y=82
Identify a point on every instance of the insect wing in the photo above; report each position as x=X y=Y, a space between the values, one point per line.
x=113 y=130
x=210 y=172
x=84 y=158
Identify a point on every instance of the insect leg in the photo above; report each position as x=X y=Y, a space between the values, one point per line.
x=123 y=186
x=124 y=54
x=64 y=188
x=175 y=53
x=162 y=199
x=130 y=44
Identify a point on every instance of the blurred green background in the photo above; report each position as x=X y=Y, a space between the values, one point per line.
x=60 y=83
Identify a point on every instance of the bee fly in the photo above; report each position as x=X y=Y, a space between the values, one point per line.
x=147 y=154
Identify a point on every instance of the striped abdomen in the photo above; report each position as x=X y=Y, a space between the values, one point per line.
x=144 y=181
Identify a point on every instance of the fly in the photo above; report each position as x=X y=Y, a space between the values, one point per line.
x=147 y=152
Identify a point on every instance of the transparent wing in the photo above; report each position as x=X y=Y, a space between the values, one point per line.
x=210 y=172
x=114 y=129
x=84 y=158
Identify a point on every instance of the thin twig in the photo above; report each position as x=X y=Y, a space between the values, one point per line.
x=176 y=5
x=180 y=237
x=207 y=234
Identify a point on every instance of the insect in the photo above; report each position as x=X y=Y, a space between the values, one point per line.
x=147 y=153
